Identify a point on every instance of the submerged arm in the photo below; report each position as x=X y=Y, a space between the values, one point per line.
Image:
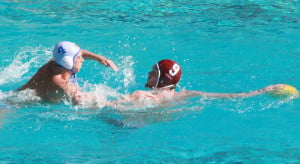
x=135 y=96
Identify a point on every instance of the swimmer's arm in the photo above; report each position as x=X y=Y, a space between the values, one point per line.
x=72 y=91
x=68 y=87
x=103 y=60
x=189 y=94
x=133 y=98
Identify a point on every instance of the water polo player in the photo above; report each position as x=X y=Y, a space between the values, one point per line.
x=57 y=79
x=166 y=74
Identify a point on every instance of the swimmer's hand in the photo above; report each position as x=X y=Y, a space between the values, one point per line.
x=282 y=91
x=103 y=60
x=109 y=63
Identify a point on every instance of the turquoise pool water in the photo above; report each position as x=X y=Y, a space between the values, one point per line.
x=222 y=46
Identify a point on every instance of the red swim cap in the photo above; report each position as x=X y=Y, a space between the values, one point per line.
x=169 y=73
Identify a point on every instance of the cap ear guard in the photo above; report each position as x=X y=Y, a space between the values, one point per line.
x=158 y=75
x=67 y=62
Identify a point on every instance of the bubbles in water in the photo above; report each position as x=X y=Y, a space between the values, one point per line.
x=64 y=116
x=254 y=104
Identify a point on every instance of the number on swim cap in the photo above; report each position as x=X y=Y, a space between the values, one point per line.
x=61 y=50
x=175 y=69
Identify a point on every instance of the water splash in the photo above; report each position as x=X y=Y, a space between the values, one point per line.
x=21 y=98
x=127 y=70
x=124 y=78
x=27 y=58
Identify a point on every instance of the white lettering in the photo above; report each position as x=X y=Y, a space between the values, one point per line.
x=175 y=69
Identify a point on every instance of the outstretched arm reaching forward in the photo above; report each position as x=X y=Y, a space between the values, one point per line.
x=278 y=90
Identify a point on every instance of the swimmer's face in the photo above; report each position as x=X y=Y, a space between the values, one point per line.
x=152 y=77
x=78 y=62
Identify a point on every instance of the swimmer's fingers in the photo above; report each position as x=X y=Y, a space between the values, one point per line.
x=110 y=63
x=282 y=91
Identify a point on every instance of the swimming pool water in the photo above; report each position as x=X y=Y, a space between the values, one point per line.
x=222 y=46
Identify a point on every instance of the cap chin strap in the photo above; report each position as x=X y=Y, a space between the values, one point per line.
x=74 y=78
x=158 y=76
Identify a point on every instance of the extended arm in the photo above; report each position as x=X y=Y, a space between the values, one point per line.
x=278 y=90
x=103 y=60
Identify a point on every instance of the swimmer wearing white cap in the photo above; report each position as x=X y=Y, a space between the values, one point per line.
x=56 y=79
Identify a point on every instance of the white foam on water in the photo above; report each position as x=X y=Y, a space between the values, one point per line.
x=24 y=97
x=102 y=94
x=64 y=116
x=26 y=59
x=125 y=78
x=128 y=71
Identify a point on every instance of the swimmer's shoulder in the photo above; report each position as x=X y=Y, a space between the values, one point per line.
x=140 y=93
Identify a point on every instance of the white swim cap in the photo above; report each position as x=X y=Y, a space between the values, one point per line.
x=64 y=54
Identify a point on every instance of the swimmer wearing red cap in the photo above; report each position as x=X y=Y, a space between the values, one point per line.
x=56 y=80
x=162 y=80
x=166 y=74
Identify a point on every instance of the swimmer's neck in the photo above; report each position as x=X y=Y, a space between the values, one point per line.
x=64 y=69
x=66 y=74
x=170 y=90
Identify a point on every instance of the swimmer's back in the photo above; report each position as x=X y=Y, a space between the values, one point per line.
x=43 y=84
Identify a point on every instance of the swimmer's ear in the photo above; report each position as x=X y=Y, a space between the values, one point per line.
x=67 y=62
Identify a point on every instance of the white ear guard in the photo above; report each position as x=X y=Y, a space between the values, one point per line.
x=67 y=62
x=158 y=75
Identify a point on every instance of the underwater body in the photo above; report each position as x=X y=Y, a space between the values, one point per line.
x=221 y=46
